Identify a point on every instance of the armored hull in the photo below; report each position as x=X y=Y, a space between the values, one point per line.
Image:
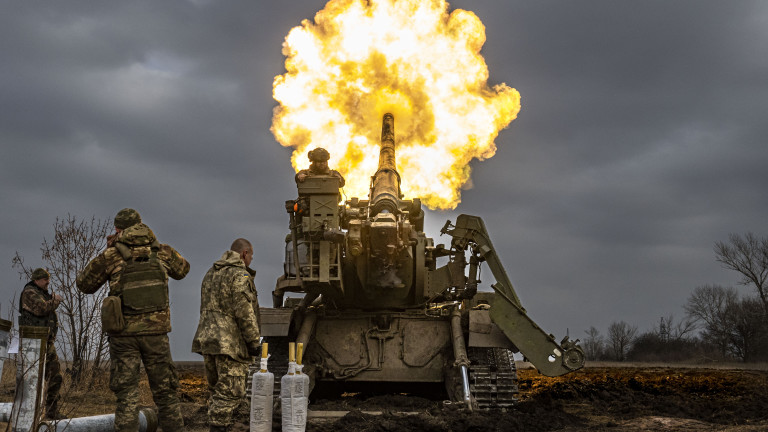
x=382 y=304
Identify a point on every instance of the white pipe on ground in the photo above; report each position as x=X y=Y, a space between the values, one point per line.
x=99 y=423
x=106 y=422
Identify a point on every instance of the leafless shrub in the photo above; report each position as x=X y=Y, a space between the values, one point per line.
x=737 y=326
x=75 y=241
x=620 y=338
x=594 y=344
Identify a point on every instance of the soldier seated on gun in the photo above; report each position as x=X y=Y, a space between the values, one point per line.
x=319 y=166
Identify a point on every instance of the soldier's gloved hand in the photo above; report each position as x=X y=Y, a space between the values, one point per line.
x=253 y=349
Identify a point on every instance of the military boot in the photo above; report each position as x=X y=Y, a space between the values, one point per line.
x=215 y=428
x=52 y=412
x=239 y=427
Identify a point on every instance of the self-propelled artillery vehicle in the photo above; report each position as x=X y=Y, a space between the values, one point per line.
x=384 y=305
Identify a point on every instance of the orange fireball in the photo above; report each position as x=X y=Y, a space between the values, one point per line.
x=360 y=59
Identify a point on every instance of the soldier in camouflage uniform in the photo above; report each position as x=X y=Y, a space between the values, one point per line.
x=37 y=307
x=228 y=333
x=137 y=267
x=319 y=166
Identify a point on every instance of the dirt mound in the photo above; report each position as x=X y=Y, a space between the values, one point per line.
x=713 y=396
x=418 y=414
x=631 y=399
x=594 y=398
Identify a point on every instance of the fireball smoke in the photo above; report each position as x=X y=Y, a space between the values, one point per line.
x=359 y=59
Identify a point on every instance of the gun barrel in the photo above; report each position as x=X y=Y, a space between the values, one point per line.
x=385 y=186
x=387 y=151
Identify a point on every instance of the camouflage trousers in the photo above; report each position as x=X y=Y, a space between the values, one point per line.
x=127 y=353
x=52 y=377
x=226 y=383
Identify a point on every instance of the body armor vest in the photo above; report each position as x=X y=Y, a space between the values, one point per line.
x=143 y=281
x=27 y=318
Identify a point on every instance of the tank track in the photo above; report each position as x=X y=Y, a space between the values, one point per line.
x=492 y=377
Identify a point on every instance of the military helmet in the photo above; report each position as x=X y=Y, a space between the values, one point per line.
x=318 y=155
x=40 y=273
x=127 y=217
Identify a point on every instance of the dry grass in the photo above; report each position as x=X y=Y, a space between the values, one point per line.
x=608 y=396
x=689 y=365
x=91 y=396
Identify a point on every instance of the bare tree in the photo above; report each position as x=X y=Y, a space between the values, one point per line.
x=736 y=326
x=594 y=344
x=708 y=306
x=747 y=255
x=746 y=329
x=620 y=338
x=75 y=242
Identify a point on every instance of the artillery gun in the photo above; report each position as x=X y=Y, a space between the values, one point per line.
x=384 y=306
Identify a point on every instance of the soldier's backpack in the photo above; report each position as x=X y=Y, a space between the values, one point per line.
x=144 y=281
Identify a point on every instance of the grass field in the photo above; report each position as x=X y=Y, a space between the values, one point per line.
x=603 y=396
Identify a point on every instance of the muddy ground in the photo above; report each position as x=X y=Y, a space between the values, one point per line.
x=596 y=398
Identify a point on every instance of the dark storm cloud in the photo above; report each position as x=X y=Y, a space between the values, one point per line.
x=165 y=108
x=639 y=144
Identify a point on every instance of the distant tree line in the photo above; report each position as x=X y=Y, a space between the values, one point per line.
x=719 y=325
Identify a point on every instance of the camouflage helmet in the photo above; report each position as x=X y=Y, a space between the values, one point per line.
x=318 y=155
x=127 y=217
x=40 y=273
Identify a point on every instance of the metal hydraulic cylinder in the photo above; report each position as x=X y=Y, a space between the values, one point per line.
x=460 y=354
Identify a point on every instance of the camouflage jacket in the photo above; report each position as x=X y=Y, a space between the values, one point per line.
x=37 y=308
x=229 y=321
x=309 y=172
x=109 y=265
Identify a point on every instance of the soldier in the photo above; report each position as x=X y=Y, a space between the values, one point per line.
x=228 y=333
x=137 y=318
x=319 y=166
x=37 y=307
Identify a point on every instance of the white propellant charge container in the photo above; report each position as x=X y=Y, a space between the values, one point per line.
x=262 y=399
x=294 y=395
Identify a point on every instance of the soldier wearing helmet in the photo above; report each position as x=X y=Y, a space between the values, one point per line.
x=137 y=317
x=319 y=166
x=37 y=307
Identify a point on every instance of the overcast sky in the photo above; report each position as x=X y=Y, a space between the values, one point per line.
x=641 y=141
